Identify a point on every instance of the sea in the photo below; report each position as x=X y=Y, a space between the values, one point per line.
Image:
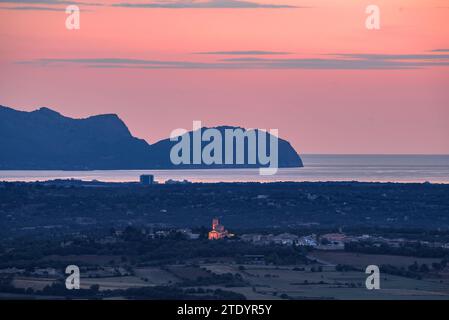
x=317 y=168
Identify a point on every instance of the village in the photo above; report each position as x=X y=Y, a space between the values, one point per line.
x=247 y=241
x=324 y=241
x=216 y=262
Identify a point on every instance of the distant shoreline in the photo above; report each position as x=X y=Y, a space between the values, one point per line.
x=99 y=183
x=317 y=168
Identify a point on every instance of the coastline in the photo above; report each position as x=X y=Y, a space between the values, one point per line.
x=317 y=168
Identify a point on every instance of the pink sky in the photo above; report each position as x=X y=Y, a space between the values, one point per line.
x=393 y=104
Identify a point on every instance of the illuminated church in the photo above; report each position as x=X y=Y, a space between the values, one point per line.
x=218 y=231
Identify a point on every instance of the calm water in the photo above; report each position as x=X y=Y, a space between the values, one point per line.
x=370 y=168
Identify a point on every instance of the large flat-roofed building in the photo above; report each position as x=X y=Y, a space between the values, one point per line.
x=146 y=179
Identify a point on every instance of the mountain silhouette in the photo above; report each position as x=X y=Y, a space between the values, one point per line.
x=46 y=140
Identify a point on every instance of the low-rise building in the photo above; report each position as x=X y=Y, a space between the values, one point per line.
x=189 y=234
x=285 y=239
x=308 y=241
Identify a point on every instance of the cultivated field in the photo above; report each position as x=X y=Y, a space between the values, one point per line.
x=362 y=260
x=268 y=282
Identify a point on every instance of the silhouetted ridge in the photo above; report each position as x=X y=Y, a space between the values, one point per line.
x=46 y=140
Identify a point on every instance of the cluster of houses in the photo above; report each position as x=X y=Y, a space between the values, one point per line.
x=398 y=242
x=150 y=233
x=334 y=241
x=329 y=241
x=266 y=239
